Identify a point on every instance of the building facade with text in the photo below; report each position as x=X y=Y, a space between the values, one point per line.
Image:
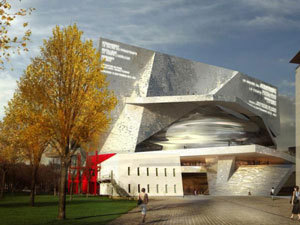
x=185 y=127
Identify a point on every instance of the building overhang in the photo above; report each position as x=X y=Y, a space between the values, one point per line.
x=234 y=102
x=296 y=58
x=231 y=102
x=241 y=152
x=169 y=99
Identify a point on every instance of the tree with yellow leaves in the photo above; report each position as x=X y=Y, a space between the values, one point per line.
x=11 y=43
x=9 y=155
x=67 y=82
x=28 y=133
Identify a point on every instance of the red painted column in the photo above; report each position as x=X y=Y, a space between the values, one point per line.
x=95 y=185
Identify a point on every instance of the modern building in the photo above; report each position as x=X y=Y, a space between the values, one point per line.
x=83 y=173
x=296 y=60
x=182 y=127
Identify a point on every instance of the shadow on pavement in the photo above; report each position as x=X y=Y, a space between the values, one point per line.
x=257 y=209
x=136 y=210
x=109 y=214
x=156 y=221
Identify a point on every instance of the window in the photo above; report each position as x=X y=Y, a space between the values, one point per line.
x=138 y=171
x=147 y=171
x=128 y=188
x=148 y=188
x=174 y=172
x=165 y=172
x=156 y=170
x=128 y=171
x=166 y=188
x=139 y=188
x=157 y=188
x=174 y=188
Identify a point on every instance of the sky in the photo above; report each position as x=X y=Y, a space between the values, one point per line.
x=255 y=37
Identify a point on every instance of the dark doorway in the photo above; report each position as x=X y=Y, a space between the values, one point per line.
x=194 y=182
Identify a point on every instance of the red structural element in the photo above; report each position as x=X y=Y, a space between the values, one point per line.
x=88 y=173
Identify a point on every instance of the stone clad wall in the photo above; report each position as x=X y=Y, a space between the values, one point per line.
x=258 y=179
x=212 y=168
x=226 y=167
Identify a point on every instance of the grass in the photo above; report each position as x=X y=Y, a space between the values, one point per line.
x=15 y=210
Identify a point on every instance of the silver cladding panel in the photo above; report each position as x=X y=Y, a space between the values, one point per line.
x=136 y=72
x=173 y=76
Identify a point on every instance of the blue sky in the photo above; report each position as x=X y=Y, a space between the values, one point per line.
x=256 y=37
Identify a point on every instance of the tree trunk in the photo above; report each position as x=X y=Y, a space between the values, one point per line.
x=33 y=184
x=71 y=189
x=57 y=187
x=2 y=183
x=62 y=190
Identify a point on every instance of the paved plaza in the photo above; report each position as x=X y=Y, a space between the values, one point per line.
x=210 y=210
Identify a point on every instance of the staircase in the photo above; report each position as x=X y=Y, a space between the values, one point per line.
x=120 y=191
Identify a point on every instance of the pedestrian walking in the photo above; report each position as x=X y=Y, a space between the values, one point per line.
x=272 y=193
x=295 y=203
x=144 y=198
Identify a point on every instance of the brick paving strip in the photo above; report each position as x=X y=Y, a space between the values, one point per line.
x=210 y=210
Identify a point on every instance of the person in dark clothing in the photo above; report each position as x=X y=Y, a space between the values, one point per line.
x=272 y=193
x=295 y=203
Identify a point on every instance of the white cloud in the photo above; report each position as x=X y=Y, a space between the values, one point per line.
x=286 y=83
x=7 y=87
x=287 y=88
x=149 y=23
x=279 y=7
x=156 y=23
x=271 y=22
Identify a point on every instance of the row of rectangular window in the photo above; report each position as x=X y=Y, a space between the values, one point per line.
x=148 y=188
x=156 y=171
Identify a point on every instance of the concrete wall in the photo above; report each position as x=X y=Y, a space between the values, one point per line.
x=298 y=125
x=119 y=164
x=222 y=175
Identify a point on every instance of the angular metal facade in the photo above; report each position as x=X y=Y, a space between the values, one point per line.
x=157 y=90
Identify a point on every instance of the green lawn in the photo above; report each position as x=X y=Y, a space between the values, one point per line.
x=15 y=210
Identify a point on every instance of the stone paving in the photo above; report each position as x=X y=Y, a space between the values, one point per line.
x=209 y=210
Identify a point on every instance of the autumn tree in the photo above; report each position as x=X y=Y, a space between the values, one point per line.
x=9 y=155
x=29 y=133
x=4 y=156
x=67 y=82
x=10 y=42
